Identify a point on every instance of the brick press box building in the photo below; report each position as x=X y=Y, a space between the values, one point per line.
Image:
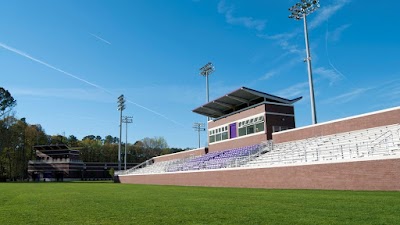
x=246 y=117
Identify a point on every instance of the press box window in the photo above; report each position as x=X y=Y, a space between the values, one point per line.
x=252 y=125
x=218 y=134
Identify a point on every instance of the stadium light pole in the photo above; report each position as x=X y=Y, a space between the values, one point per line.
x=300 y=11
x=205 y=71
x=126 y=120
x=199 y=127
x=121 y=107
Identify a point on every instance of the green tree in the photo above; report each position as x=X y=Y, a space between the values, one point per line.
x=15 y=154
x=153 y=146
x=108 y=139
x=17 y=138
x=111 y=172
x=72 y=141
x=57 y=139
x=90 y=137
x=7 y=102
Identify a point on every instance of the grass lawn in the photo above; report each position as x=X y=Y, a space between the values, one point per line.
x=109 y=203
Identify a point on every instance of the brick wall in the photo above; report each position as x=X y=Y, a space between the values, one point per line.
x=241 y=115
x=180 y=155
x=365 y=121
x=237 y=142
x=278 y=120
x=361 y=175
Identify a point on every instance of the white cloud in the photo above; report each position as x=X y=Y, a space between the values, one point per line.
x=283 y=41
x=337 y=33
x=326 y=12
x=389 y=90
x=329 y=74
x=281 y=36
x=248 y=22
x=346 y=97
x=294 y=91
x=268 y=75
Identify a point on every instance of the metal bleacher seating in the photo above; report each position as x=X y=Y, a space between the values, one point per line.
x=356 y=145
x=218 y=160
x=373 y=143
x=215 y=160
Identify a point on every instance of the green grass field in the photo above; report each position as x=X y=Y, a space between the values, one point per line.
x=109 y=203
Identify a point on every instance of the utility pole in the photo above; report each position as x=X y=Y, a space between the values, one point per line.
x=126 y=120
x=121 y=107
x=300 y=11
x=25 y=162
x=199 y=127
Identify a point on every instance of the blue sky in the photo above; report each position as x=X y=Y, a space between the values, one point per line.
x=66 y=62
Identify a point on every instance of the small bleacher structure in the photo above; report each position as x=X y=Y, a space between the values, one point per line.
x=59 y=162
x=55 y=162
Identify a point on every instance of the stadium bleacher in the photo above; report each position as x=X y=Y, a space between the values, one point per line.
x=217 y=160
x=355 y=145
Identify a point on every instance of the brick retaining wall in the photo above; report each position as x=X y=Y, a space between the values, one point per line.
x=364 y=121
x=360 y=175
x=180 y=155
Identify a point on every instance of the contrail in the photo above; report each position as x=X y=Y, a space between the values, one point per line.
x=159 y=114
x=80 y=79
x=327 y=52
x=101 y=39
x=50 y=66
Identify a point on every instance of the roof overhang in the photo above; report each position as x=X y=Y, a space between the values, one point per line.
x=239 y=99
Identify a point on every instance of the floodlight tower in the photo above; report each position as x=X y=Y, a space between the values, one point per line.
x=205 y=71
x=199 y=127
x=121 y=107
x=300 y=11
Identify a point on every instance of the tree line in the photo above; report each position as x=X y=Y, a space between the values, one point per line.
x=17 y=138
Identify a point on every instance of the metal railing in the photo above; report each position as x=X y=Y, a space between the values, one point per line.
x=385 y=144
x=65 y=160
x=357 y=145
